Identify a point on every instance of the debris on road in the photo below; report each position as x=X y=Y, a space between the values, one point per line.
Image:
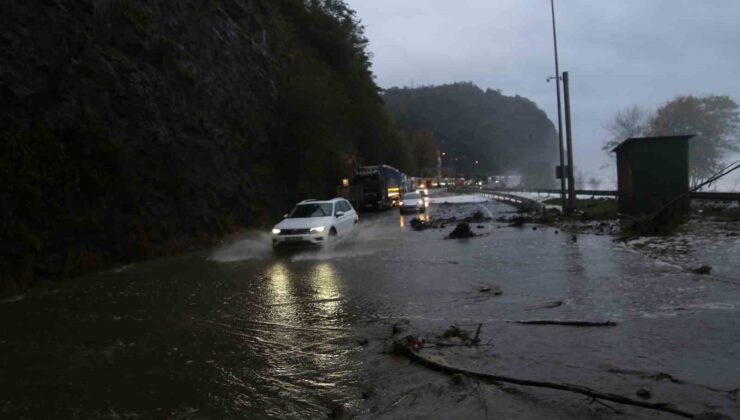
x=519 y=221
x=429 y=223
x=477 y=217
x=704 y=269
x=462 y=231
x=410 y=346
x=547 y=305
x=458 y=334
x=644 y=393
x=495 y=290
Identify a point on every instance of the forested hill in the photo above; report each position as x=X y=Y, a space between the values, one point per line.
x=506 y=134
x=136 y=128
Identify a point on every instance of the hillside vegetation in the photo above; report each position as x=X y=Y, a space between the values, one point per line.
x=132 y=128
x=505 y=134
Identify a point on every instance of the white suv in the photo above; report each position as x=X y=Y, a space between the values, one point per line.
x=315 y=222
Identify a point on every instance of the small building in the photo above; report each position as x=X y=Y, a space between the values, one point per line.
x=653 y=172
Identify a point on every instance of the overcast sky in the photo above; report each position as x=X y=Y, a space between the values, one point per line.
x=617 y=52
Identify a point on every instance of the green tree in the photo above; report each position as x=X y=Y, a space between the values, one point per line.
x=424 y=148
x=505 y=134
x=714 y=120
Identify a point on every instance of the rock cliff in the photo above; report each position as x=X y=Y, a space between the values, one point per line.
x=132 y=128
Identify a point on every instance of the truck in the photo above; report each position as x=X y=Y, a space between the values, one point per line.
x=374 y=187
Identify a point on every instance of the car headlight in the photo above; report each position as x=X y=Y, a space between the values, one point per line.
x=276 y=231
x=421 y=202
x=317 y=229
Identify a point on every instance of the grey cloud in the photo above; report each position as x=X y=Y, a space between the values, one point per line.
x=618 y=52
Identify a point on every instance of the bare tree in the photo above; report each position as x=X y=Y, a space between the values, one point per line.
x=580 y=179
x=594 y=183
x=629 y=122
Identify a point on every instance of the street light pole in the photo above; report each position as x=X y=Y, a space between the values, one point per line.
x=569 y=144
x=560 y=118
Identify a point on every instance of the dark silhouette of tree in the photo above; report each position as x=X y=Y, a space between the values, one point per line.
x=424 y=148
x=505 y=134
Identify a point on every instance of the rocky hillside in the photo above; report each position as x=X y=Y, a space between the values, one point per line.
x=132 y=128
x=506 y=134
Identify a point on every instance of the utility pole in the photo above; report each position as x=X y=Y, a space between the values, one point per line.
x=569 y=143
x=560 y=119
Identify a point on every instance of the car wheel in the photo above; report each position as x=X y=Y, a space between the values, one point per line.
x=332 y=234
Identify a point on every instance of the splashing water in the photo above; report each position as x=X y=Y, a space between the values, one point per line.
x=370 y=236
x=254 y=246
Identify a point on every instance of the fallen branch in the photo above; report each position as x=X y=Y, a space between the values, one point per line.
x=476 y=339
x=442 y=345
x=594 y=400
x=568 y=323
x=455 y=332
x=407 y=346
x=662 y=376
x=548 y=305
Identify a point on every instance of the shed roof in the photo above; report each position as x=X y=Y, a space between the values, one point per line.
x=632 y=140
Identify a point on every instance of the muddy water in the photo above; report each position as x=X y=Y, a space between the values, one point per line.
x=237 y=332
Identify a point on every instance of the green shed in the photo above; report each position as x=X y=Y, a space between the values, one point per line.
x=653 y=172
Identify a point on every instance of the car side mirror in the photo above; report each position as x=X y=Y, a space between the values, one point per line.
x=340 y=213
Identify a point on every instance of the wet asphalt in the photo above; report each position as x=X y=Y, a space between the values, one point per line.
x=239 y=332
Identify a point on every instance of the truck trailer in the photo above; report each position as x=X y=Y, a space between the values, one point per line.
x=374 y=187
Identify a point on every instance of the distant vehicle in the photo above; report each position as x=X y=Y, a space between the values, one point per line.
x=376 y=187
x=315 y=223
x=424 y=196
x=413 y=202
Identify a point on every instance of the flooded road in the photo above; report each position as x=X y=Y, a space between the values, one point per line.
x=237 y=332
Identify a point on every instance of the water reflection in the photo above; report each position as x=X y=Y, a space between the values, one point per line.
x=402 y=222
x=325 y=282
x=279 y=283
x=305 y=309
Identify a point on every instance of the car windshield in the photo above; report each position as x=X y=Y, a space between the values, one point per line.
x=311 y=210
x=411 y=196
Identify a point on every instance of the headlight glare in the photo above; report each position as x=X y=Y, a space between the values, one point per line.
x=317 y=229
x=276 y=231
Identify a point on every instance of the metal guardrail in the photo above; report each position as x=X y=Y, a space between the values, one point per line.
x=715 y=195
x=698 y=195
x=514 y=200
x=600 y=193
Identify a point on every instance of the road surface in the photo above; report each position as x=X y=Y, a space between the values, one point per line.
x=237 y=332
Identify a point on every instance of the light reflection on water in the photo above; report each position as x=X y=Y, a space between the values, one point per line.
x=277 y=336
x=304 y=302
x=403 y=221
